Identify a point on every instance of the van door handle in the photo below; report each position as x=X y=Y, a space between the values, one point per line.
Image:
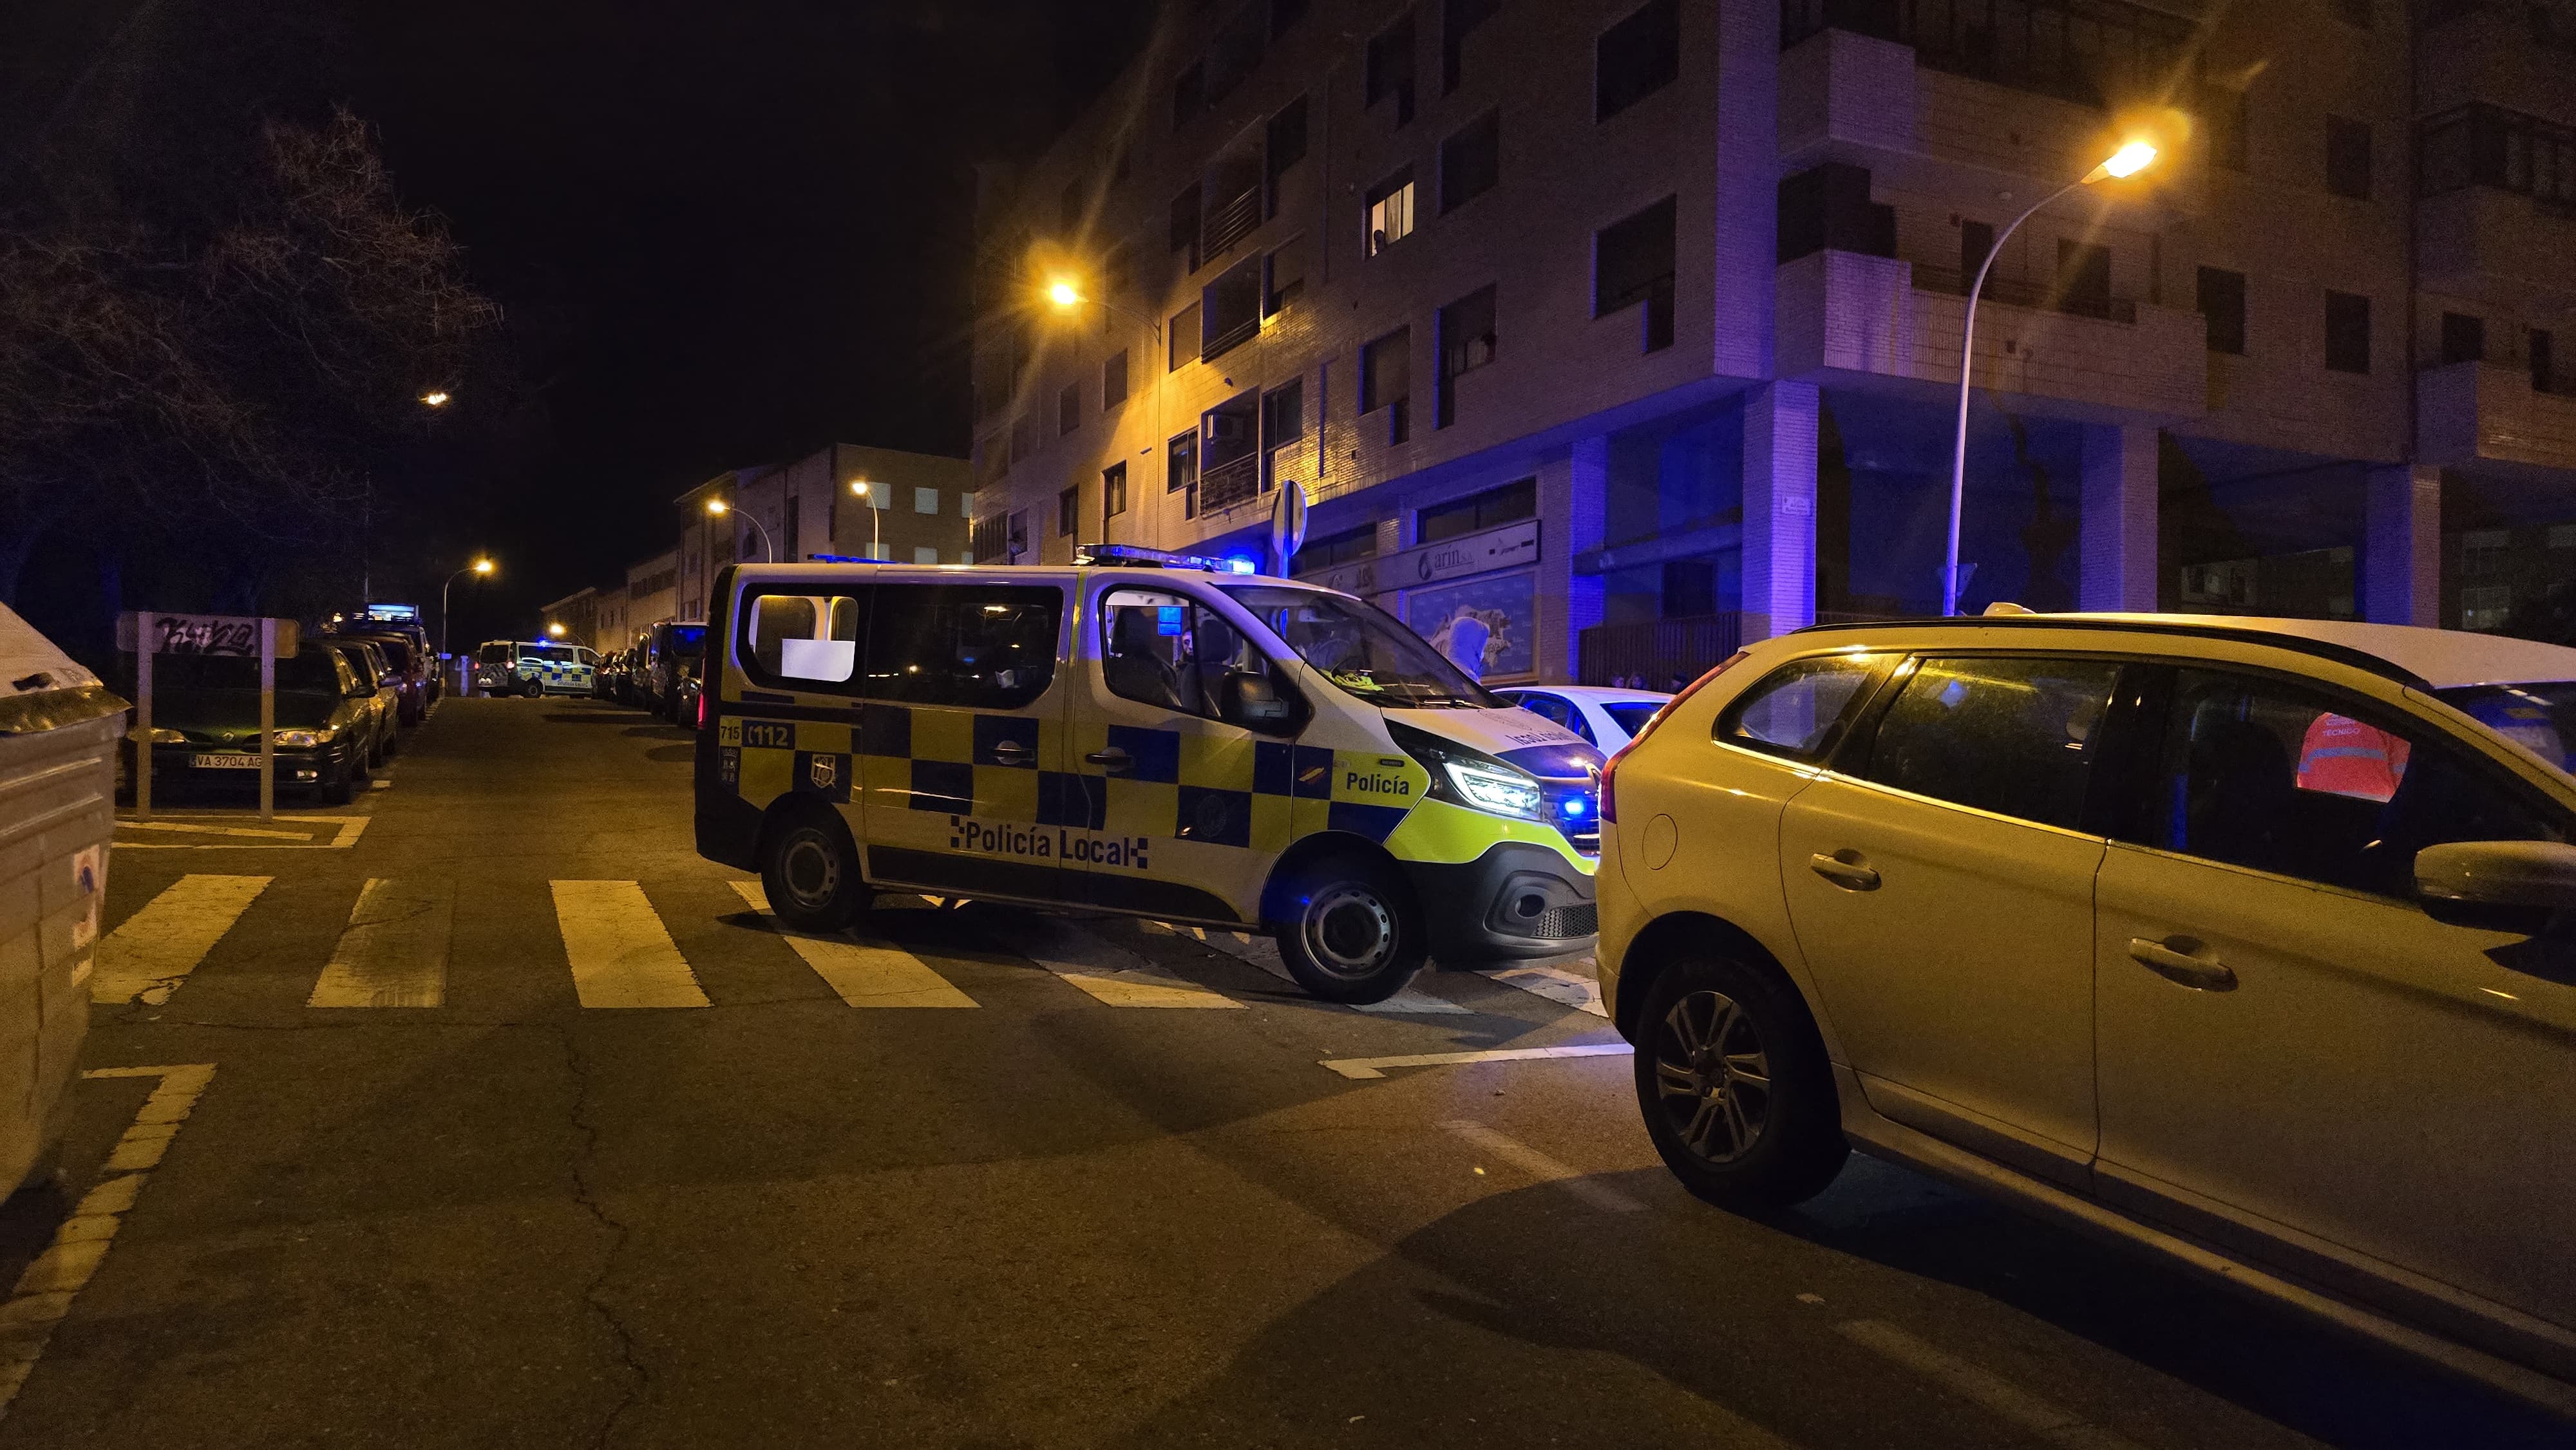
x=1012 y=752
x=2202 y=974
x=1850 y=875
x=1113 y=760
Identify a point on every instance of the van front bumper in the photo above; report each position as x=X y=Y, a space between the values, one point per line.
x=1516 y=901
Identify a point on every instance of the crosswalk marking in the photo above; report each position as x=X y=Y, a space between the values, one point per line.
x=394 y=953
x=621 y=955
x=157 y=947
x=866 y=974
x=1110 y=972
x=1262 y=952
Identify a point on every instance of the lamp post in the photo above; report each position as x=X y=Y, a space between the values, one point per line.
x=859 y=488
x=2129 y=160
x=720 y=508
x=1066 y=295
x=480 y=568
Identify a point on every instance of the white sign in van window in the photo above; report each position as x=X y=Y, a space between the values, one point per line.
x=829 y=660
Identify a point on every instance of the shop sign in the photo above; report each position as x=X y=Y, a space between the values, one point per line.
x=1468 y=554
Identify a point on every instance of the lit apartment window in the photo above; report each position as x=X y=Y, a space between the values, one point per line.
x=2347 y=332
x=1113 y=492
x=1457 y=17
x=1632 y=263
x=2222 y=308
x=1286 y=278
x=1019 y=534
x=1390 y=68
x=1113 y=380
x=2464 y=338
x=1068 y=512
x=1068 y=408
x=925 y=501
x=1390 y=211
x=1386 y=381
x=1471 y=162
x=1466 y=344
x=2348 y=158
x=1636 y=58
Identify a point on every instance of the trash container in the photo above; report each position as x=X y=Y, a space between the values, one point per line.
x=58 y=738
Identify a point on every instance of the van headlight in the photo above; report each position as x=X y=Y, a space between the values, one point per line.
x=305 y=739
x=1468 y=777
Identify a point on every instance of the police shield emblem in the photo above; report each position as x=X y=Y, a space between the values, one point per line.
x=825 y=772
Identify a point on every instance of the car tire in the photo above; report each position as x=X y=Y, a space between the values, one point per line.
x=809 y=870
x=1732 y=1080
x=1352 y=932
x=341 y=789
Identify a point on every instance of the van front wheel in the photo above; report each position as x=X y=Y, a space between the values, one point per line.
x=809 y=870
x=1354 y=934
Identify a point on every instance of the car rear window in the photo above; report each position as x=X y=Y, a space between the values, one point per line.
x=561 y=654
x=1631 y=715
x=1800 y=709
x=2014 y=735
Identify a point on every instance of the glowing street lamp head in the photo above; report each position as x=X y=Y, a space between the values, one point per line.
x=554 y=631
x=1063 y=293
x=483 y=566
x=859 y=486
x=718 y=507
x=435 y=397
x=2129 y=160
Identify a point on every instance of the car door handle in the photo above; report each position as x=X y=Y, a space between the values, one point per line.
x=1850 y=875
x=1012 y=751
x=1113 y=760
x=2199 y=973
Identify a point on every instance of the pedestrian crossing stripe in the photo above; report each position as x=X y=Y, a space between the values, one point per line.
x=864 y=974
x=146 y=958
x=620 y=953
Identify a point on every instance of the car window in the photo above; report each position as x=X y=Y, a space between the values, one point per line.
x=2269 y=774
x=496 y=654
x=1631 y=715
x=2016 y=736
x=1548 y=707
x=975 y=646
x=1167 y=650
x=799 y=636
x=2541 y=717
x=1802 y=708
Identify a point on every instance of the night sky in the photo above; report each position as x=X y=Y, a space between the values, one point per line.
x=726 y=233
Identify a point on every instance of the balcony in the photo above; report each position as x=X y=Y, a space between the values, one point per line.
x=2091 y=52
x=2480 y=415
x=1844 y=94
x=1229 y=222
x=1225 y=485
x=1842 y=313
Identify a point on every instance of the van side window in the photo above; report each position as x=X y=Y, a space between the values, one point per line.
x=800 y=640
x=2015 y=736
x=1169 y=651
x=972 y=646
x=1802 y=708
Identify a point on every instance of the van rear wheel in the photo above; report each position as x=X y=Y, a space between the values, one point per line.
x=1354 y=934
x=809 y=869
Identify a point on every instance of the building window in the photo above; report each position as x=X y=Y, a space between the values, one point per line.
x=925 y=501
x=2222 y=309
x=1181 y=468
x=1390 y=211
x=924 y=554
x=1477 y=512
x=1976 y=243
x=1471 y=162
x=1113 y=494
x=1386 y=381
x=1231 y=308
x=1457 y=17
x=1113 y=380
x=1236 y=51
x=1334 y=550
x=1632 y=262
x=1185 y=224
x=1283 y=14
x=1189 y=94
x=2464 y=338
x=1284 y=145
x=1636 y=58
x=2347 y=332
x=1466 y=344
x=1068 y=512
x=2543 y=374
x=1185 y=337
x=1286 y=279
x=2348 y=158
x=1828 y=208
x=2489 y=146
x=1283 y=425
x=1068 y=408
x=1390 y=68
x=1024 y=439
x=2084 y=278
x=2222 y=114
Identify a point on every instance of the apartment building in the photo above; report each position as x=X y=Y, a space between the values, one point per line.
x=1684 y=288
x=914 y=509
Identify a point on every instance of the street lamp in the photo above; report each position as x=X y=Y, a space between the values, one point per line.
x=859 y=488
x=479 y=568
x=554 y=631
x=2129 y=160
x=1065 y=295
x=435 y=397
x=720 y=508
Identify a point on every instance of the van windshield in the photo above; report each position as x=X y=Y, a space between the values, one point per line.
x=2541 y=717
x=1363 y=649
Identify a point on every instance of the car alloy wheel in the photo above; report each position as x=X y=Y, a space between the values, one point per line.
x=1349 y=930
x=1712 y=1076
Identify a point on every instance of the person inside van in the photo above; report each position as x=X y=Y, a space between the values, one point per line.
x=1135 y=667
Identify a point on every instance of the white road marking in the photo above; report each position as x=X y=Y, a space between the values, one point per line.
x=621 y=954
x=1998 y=1395
x=160 y=945
x=1110 y=972
x=1362 y=1068
x=197 y=828
x=394 y=952
x=1540 y=1166
x=44 y=1293
x=1263 y=953
x=1557 y=984
x=864 y=973
x=243 y=838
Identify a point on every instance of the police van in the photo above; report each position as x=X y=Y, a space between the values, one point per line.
x=1133 y=735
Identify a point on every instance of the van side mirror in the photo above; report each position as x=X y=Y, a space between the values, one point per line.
x=2535 y=875
x=1254 y=702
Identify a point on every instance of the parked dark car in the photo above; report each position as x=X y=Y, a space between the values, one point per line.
x=669 y=651
x=205 y=722
x=414 y=680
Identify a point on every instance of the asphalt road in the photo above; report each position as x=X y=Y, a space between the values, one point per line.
x=1124 y=1188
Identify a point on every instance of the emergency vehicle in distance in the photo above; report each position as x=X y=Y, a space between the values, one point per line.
x=1138 y=734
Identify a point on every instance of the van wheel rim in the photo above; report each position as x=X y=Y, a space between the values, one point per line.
x=810 y=869
x=1712 y=1076
x=1348 y=930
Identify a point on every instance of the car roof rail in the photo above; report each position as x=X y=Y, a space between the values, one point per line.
x=2341 y=654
